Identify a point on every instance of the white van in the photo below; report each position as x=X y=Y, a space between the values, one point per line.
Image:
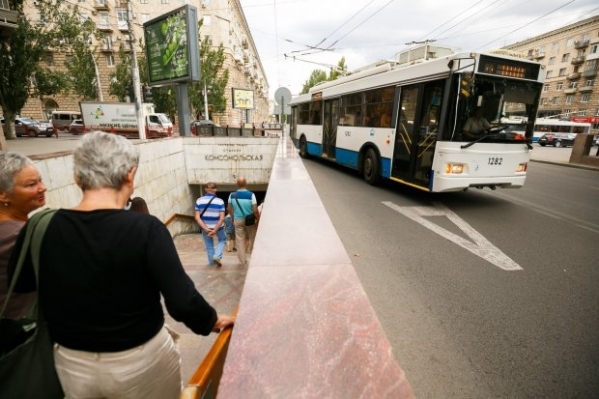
x=61 y=120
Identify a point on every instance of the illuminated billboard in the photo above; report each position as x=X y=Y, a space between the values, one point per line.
x=243 y=99
x=171 y=45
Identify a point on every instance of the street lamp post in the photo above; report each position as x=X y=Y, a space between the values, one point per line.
x=205 y=101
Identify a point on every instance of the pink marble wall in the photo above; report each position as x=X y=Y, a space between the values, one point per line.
x=305 y=326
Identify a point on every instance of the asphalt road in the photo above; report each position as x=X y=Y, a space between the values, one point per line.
x=482 y=294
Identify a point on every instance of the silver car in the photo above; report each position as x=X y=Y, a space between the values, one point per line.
x=32 y=128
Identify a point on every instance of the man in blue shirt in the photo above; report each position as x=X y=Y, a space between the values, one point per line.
x=242 y=203
x=210 y=216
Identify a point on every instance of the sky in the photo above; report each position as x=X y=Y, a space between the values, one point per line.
x=295 y=37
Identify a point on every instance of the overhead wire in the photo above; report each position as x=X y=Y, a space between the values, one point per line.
x=528 y=23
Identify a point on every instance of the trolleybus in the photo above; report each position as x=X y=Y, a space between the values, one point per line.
x=548 y=126
x=405 y=123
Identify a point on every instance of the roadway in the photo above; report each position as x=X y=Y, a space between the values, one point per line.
x=482 y=294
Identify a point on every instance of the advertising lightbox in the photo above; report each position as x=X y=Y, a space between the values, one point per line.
x=171 y=45
x=243 y=99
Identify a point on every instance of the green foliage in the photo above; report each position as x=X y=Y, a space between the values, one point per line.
x=121 y=78
x=214 y=77
x=22 y=73
x=164 y=98
x=318 y=75
x=82 y=68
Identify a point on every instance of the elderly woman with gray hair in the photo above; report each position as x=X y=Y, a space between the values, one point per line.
x=21 y=192
x=102 y=270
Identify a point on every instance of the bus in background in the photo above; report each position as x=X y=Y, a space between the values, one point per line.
x=547 y=126
x=405 y=122
x=61 y=120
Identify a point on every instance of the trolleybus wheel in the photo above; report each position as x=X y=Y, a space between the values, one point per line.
x=370 y=167
x=303 y=147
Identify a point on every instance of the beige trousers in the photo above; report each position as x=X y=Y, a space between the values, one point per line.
x=149 y=371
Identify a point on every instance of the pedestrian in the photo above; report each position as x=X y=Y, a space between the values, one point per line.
x=210 y=216
x=138 y=204
x=103 y=273
x=21 y=192
x=241 y=204
x=230 y=232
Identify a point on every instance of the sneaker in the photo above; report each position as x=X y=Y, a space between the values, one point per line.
x=217 y=261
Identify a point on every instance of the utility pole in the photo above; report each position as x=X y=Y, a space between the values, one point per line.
x=205 y=101
x=135 y=75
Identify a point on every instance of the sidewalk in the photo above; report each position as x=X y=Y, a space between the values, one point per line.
x=221 y=287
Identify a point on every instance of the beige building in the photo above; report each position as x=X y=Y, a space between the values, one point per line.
x=571 y=58
x=224 y=22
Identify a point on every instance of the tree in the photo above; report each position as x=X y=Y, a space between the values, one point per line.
x=120 y=79
x=59 y=28
x=318 y=75
x=214 y=79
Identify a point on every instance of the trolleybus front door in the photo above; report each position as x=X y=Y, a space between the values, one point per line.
x=329 y=128
x=416 y=132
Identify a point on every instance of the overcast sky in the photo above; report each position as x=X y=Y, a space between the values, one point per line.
x=319 y=32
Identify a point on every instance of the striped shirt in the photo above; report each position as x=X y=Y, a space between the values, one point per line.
x=212 y=214
x=246 y=200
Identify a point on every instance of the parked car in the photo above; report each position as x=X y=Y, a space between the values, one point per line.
x=198 y=123
x=32 y=128
x=76 y=127
x=557 y=139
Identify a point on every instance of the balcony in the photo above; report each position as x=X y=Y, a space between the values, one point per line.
x=539 y=56
x=570 y=90
x=589 y=73
x=8 y=21
x=573 y=76
x=577 y=60
x=101 y=5
x=104 y=26
x=581 y=43
x=585 y=89
x=107 y=48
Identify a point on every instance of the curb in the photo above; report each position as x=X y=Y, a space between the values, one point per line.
x=570 y=165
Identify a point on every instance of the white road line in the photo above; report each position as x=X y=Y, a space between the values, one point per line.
x=478 y=245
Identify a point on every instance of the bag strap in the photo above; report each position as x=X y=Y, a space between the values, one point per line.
x=207 y=205
x=240 y=208
x=34 y=234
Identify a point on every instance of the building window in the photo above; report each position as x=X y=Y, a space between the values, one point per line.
x=49 y=59
x=573 y=85
x=597 y=112
x=164 y=1
x=589 y=83
x=555 y=47
x=565 y=57
x=208 y=39
x=549 y=74
x=121 y=14
x=570 y=42
x=543 y=101
x=143 y=1
x=585 y=97
x=594 y=49
x=110 y=60
x=569 y=99
x=566 y=112
x=585 y=37
x=562 y=72
x=104 y=21
x=551 y=60
x=145 y=18
x=582 y=112
x=541 y=50
x=555 y=100
x=546 y=88
x=207 y=20
x=559 y=85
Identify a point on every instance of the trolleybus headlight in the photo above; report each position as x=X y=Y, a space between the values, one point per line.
x=454 y=168
x=522 y=167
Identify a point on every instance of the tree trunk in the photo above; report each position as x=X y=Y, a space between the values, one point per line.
x=3 y=145
x=9 y=125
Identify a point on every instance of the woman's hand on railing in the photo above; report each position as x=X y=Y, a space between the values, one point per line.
x=223 y=322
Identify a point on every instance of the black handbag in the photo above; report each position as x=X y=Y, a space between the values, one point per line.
x=250 y=219
x=27 y=370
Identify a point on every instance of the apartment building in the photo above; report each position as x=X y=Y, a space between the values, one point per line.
x=224 y=22
x=571 y=58
x=8 y=19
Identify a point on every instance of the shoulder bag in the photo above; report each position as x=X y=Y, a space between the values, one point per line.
x=27 y=369
x=250 y=219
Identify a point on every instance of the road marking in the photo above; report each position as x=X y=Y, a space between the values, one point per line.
x=478 y=245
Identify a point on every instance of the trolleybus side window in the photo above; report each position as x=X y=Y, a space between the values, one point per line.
x=379 y=107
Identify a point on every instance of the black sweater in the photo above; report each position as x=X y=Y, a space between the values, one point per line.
x=101 y=276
